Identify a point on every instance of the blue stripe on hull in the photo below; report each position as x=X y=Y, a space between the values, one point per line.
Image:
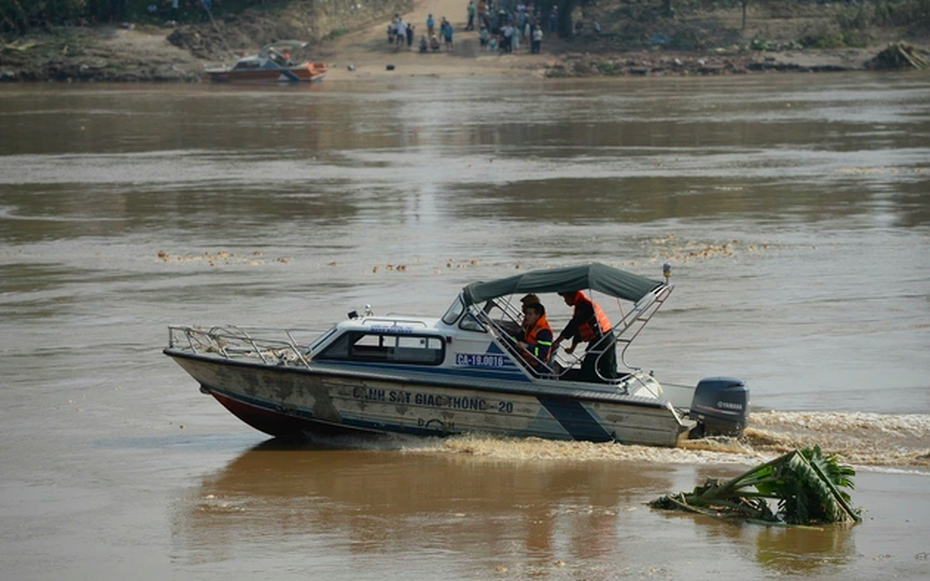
x=576 y=420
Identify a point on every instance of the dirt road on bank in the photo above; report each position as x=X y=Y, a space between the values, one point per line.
x=366 y=53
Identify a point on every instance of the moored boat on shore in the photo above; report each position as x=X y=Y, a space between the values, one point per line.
x=271 y=65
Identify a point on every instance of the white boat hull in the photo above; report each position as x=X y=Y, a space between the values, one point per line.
x=285 y=401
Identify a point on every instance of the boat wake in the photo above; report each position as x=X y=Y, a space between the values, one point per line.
x=864 y=439
x=861 y=439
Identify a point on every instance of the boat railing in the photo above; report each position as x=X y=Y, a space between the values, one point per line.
x=633 y=322
x=629 y=326
x=396 y=321
x=269 y=346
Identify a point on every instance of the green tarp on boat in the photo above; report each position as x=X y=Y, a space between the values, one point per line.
x=595 y=276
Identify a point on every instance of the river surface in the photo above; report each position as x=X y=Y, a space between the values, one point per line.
x=794 y=210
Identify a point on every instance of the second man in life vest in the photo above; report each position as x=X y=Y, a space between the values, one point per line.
x=590 y=325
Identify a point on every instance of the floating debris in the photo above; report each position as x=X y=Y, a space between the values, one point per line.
x=806 y=485
x=671 y=248
x=221 y=258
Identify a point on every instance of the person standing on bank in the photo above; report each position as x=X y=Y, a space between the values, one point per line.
x=590 y=325
x=537 y=40
x=471 y=15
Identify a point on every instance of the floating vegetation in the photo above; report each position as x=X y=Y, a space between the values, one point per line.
x=806 y=485
x=672 y=248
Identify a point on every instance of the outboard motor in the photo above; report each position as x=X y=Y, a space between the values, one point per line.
x=720 y=406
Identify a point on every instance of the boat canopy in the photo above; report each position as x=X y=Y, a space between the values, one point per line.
x=283 y=46
x=595 y=276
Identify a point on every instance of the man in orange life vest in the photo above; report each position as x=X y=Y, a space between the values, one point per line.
x=535 y=336
x=589 y=324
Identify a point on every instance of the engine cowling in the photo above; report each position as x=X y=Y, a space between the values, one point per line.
x=720 y=406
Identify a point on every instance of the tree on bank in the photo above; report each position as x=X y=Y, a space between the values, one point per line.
x=20 y=16
x=853 y=19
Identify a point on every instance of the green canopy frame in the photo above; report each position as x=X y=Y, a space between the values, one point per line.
x=595 y=276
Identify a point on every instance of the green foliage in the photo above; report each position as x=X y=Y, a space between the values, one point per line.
x=769 y=45
x=336 y=34
x=888 y=13
x=606 y=68
x=805 y=484
x=835 y=39
x=900 y=13
x=687 y=40
x=22 y=14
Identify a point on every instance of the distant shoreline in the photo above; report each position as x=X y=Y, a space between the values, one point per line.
x=130 y=53
x=121 y=55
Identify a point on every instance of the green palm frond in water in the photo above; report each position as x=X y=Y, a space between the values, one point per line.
x=805 y=483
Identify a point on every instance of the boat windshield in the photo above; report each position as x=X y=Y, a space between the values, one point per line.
x=248 y=63
x=454 y=312
x=321 y=339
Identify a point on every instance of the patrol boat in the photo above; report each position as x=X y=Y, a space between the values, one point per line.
x=461 y=372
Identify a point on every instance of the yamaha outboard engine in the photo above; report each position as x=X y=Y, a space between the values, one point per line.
x=720 y=406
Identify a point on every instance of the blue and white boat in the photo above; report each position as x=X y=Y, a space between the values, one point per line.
x=457 y=373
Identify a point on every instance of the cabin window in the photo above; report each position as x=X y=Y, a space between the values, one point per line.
x=386 y=348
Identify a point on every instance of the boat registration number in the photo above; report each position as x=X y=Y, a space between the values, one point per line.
x=472 y=360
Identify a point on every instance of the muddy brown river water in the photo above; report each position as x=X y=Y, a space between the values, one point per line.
x=794 y=209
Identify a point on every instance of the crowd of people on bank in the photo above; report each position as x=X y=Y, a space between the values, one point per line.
x=503 y=26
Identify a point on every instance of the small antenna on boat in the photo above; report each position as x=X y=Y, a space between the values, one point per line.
x=666 y=271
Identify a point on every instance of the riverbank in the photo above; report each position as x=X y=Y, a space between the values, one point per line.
x=169 y=53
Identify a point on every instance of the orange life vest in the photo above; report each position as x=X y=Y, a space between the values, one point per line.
x=593 y=328
x=532 y=339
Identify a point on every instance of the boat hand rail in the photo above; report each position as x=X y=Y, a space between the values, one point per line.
x=640 y=315
x=397 y=320
x=629 y=327
x=231 y=342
